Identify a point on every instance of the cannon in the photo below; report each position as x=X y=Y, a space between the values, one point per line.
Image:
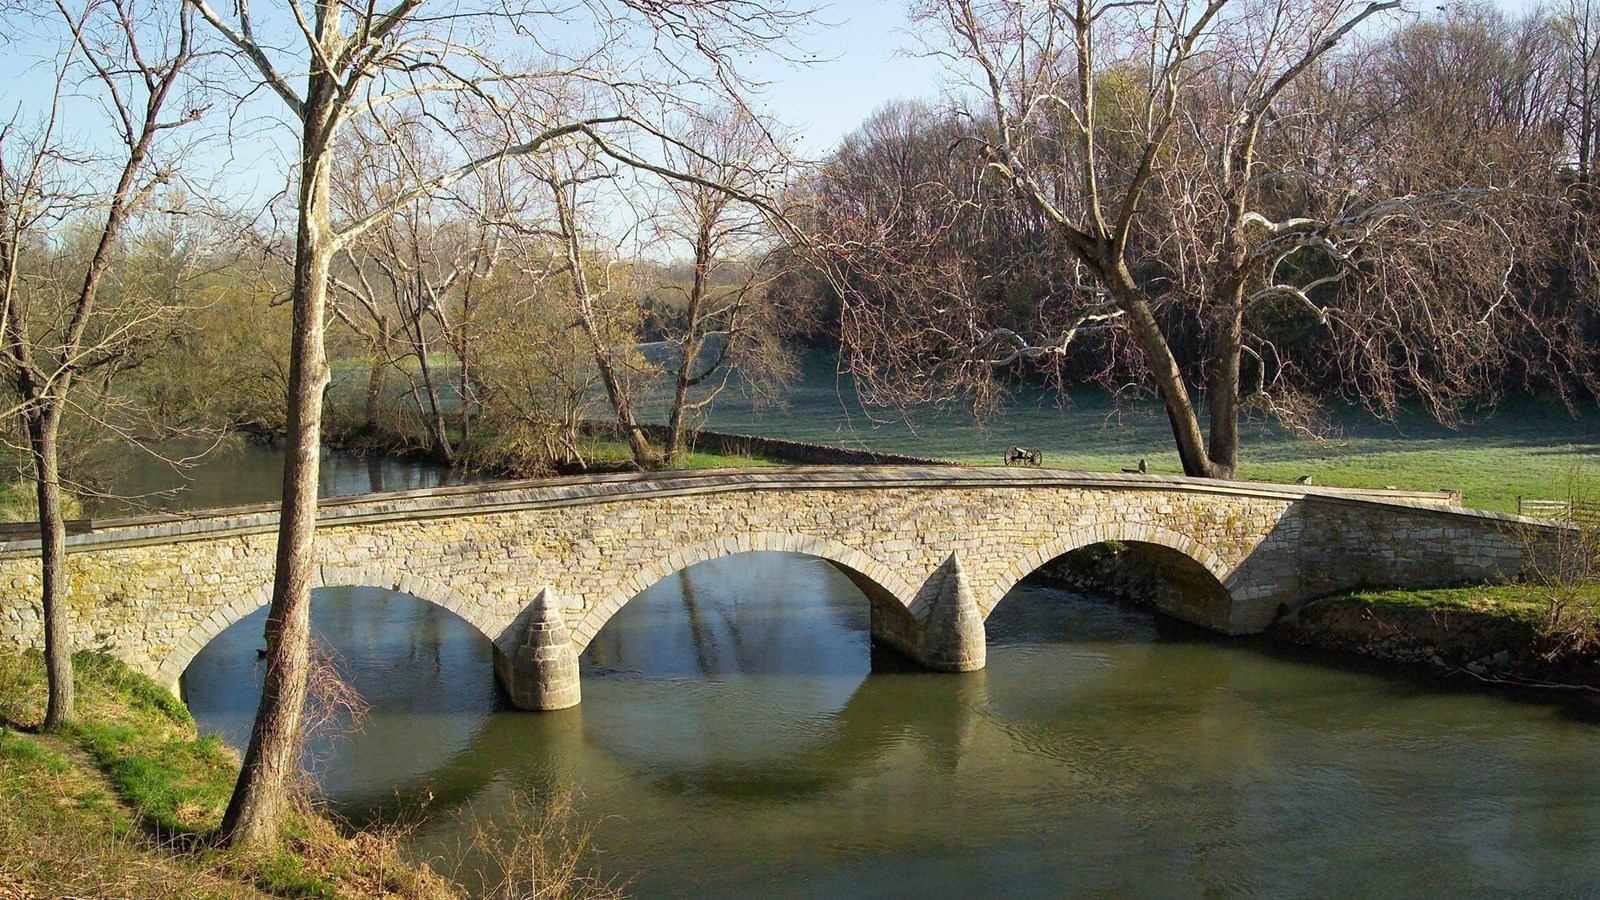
x=1024 y=456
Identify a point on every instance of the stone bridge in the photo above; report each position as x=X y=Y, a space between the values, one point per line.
x=539 y=567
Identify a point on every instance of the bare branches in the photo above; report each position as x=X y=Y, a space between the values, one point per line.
x=446 y=179
x=61 y=342
x=725 y=320
x=1004 y=347
x=244 y=38
x=1208 y=169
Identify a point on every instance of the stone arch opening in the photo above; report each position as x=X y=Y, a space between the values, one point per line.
x=1175 y=574
x=889 y=596
x=178 y=659
x=422 y=673
x=793 y=627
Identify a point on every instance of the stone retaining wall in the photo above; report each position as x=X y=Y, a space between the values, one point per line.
x=776 y=449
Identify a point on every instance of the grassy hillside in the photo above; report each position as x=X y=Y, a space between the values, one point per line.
x=1522 y=447
x=123 y=803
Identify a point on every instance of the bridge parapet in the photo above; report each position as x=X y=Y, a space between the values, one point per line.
x=548 y=493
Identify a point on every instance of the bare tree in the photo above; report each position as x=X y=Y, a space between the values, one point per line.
x=1577 y=24
x=599 y=284
x=409 y=286
x=723 y=317
x=58 y=334
x=412 y=58
x=1152 y=140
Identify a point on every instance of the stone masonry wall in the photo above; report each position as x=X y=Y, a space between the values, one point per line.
x=154 y=593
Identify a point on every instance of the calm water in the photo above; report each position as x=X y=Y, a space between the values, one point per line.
x=737 y=737
x=242 y=472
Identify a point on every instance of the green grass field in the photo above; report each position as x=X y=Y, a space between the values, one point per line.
x=1522 y=448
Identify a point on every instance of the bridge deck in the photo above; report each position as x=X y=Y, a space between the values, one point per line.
x=545 y=493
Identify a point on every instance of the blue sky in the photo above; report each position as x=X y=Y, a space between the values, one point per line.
x=856 y=60
x=863 y=56
x=866 y=57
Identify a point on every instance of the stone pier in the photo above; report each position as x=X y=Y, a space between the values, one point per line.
x=542 y=672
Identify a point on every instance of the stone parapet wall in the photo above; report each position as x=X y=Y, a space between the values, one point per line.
x=777 y=449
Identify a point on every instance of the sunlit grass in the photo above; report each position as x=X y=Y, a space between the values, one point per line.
x=125 y=800
x=608 y=453
x=1522 y=602
x=1521 y=448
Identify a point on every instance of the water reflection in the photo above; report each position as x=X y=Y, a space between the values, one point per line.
x=731 y=742
x=425 y=674
x=242 y=472
x=746 y=615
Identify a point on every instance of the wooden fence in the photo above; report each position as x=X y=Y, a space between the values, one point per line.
x=1577 y=510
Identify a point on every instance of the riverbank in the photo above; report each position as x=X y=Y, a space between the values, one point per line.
x=605 y=450
x=1504 y=634
x=1522 y=634
x=123 y=802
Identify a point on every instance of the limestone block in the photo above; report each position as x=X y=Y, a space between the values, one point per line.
x=953 y=637
x=542 y=674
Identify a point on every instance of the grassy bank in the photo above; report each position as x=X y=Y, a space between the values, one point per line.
x=125 y=800
x=1503 y=633
x=1522 y=447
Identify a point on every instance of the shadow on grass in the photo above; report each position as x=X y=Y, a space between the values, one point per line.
x=139 y=736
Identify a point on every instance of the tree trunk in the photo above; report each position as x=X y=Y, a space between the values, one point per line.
x=43 y=432
x=616 y=392
x=1157 y=355
x=375 y=380
x=680 y=396
x=620 y=402
x=1224 y=393
x=693 y=341
x=272 y=759
x=692 y=346
x=438 y=428
x=466 y=392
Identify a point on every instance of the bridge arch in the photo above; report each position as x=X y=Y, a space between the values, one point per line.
x=178 y=659
x=885 y=589
x=1195 y=554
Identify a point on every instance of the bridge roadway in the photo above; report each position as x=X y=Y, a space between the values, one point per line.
x=540 y=566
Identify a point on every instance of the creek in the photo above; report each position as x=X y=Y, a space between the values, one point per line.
x=740 y=736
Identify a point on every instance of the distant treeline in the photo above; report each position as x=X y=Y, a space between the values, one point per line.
x=1483 y=122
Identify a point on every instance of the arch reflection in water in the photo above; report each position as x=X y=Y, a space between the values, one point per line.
x=784 y=634
x=425 y=675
